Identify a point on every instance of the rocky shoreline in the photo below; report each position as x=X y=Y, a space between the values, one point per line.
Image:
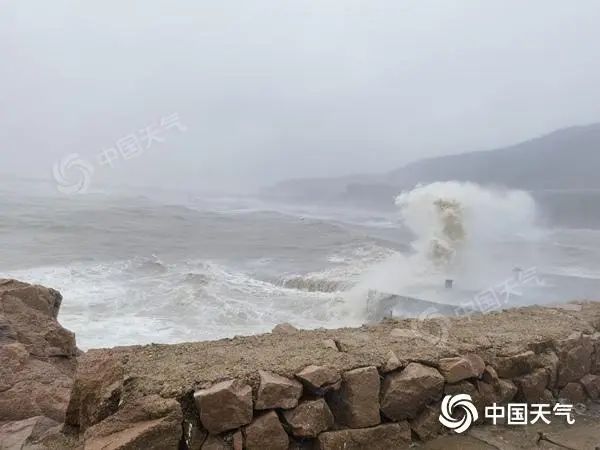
x=371 y=387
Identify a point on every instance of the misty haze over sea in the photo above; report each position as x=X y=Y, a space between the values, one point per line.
x=168 y=266
x=198 y=170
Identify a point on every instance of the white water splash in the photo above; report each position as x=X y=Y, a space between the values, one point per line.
x=462 y=231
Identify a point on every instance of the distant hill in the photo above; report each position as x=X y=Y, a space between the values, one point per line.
x=567 y=159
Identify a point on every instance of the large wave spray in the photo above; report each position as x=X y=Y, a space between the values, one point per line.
x=462 y=231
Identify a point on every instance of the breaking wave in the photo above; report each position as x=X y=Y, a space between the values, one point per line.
x=314 y=284
x=460 y=231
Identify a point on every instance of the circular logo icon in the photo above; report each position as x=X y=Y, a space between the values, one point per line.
x=73 y=174
x=431 y=326
x=452 y=406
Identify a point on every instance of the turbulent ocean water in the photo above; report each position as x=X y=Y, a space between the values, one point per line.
x=169 y=268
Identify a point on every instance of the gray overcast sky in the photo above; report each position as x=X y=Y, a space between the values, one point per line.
x=271 y=89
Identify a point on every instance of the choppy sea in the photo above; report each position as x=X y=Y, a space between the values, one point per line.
x=153 y=268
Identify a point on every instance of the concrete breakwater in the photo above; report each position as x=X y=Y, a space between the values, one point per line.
x=373 y=387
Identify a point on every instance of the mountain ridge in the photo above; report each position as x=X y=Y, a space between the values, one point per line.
x=564 y=159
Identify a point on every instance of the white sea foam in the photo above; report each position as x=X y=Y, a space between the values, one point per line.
x=218 y=275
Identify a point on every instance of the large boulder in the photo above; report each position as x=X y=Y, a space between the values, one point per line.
x=31 y=312
x=406 y=393
x=461 y=367
x=392 y=363
x=309 y=418
x=591 y=384
x=276 y=391
x=516 y=365
x=356 y=403
x=96 y=391
x=573 y=392
x=383 y=437
x=37 y=355
x=532 y=387
x=549 y=361
x=427 y=424
x=224 y=406
x=151 y=423
x=574 y=358
x=265 y=432
x=319 y=379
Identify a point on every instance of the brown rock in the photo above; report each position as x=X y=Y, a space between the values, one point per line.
x=406 y=393
x=548 y=397
x=40 y=298
x=461 y=368
x=319 y=379
x=573 y=392
x=277 y=392
x=31 y=312
x=574 y=358
x=215 y=443
x=515 y=365
x=37 y=355
x=479 y=395
x=24 y=433
x=502 y=393
x=356 y=403
x=506 y=391
x=488 y=394
x=595 y=369
x=151 y=423
x=532 y=386
x=427 y=425
x=490 y=376
x=549 y=361
x=309 y=418
x=224 y=406
x=237 y=441
x=383 y=437
x=392 y=363
x=266 y=432
x=12 y=357
x=591 y=384
x=96 y=390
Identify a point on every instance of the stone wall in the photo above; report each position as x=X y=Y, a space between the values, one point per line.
x=373 y=387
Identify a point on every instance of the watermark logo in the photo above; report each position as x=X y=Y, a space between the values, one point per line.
x=458 y=405
x=432 y=326
x=72 y=174
x=524 y=414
